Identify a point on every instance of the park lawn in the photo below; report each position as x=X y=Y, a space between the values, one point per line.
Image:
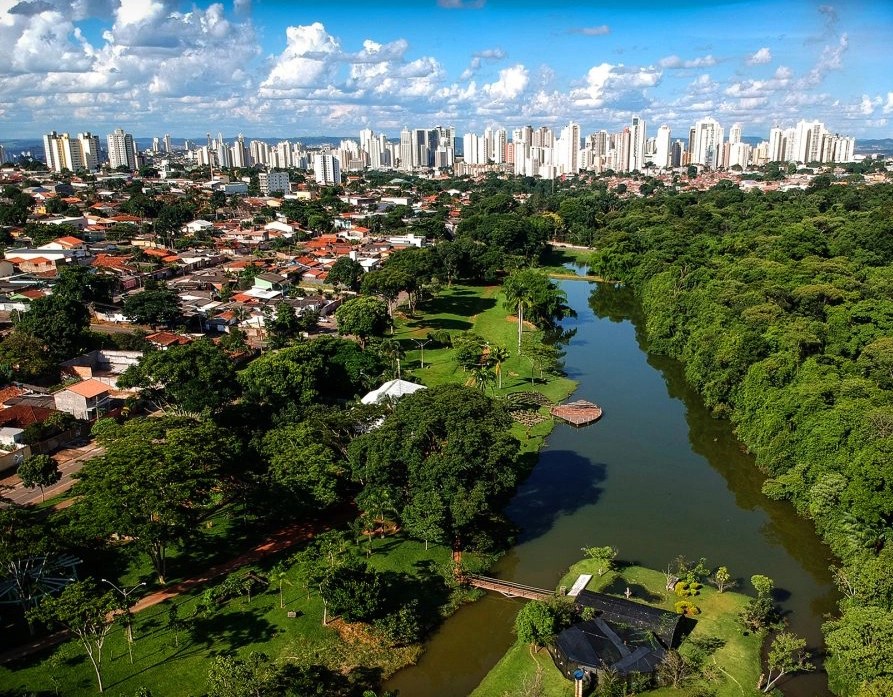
x=237 y=628
x=738 y=660
x=480 y=309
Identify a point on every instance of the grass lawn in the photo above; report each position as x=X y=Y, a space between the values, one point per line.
x=480 y=309
x=235 y=629
x=736 y=663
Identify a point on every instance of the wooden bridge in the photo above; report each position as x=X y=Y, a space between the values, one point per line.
x=507 y=588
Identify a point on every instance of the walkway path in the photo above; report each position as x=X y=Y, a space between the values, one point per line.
x=279 y=541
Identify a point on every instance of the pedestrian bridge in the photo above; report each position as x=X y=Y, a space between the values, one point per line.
x=507 y=588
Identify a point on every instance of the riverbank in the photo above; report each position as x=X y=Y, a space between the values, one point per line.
x=723 y=658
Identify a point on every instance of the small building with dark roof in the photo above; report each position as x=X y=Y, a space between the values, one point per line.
x=625 y=636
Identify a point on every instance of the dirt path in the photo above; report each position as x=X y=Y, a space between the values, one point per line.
x=277 y=542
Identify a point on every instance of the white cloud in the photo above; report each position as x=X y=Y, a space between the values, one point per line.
x=511 y=83
x=888 y=107
x=478 y=58
x=600 y=30
x=676 y=63
x=606 y=83
x=761 y=57
x=307 y=59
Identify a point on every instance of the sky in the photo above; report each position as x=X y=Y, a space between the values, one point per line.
x=271 y=68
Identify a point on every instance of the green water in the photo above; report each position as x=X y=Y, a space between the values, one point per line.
x=655 y=477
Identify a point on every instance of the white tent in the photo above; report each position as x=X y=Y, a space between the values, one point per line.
x=392 y=389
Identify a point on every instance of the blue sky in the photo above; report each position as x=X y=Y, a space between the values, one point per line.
x=271 y=68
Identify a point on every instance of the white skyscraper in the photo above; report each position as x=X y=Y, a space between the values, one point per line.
x=122 y=152
x=636 y=144
x=569 y=150
x=406 y=149
x=776 y=145
x=662 y=147
x=500 y=139
x=808 y=141
x=167 y=143
x=326 y=169
x=735 y=133
x=88 y=145
x=707 y=145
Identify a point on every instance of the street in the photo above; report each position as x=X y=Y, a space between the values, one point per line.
x=70 y=460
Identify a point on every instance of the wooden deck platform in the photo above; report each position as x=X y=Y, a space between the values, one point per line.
x=578 y=413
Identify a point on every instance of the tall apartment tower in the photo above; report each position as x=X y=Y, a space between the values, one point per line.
x=122 y=151
x=808 y=140
x=636 y=144
x=735 y=133
x=707 y=143
x=2 y=155
x=88 y=145
x=662 y=150
x=326 y=169
x=167 y=143
x=406 y=149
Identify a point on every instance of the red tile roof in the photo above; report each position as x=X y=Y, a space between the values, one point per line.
x=89 y=388
x=22 y=416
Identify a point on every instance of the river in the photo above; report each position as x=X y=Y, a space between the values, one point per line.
x=656 y=477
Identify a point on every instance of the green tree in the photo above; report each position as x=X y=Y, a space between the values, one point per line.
x=388 y=283
x=530 y=292
x=354 y=591
x=282 y=325
x=787 y=654
x=39 y=471
x=603 y=557
x=304 y=471
x=83 y=611
x=28 y=358
x=363 y=317
x=59 y=321
x=196 y=377
x=536 y=624
x=345 y=272
x=860 y=646
x=722 y=579
x=153 y=484
x=449 y=439
x=158 y=306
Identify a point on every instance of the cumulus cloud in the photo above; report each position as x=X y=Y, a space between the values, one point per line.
x=764 y=55
x=676 y=63
x=600 y=30
x=306 y=60
x=477 y=60
x=888 y=107
x=606 y=83
x=511 y=83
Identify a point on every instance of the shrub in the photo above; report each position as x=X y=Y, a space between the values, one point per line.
x=684 y=607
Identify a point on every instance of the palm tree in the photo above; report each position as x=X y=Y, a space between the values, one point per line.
x=497 y=356
x=519 y=292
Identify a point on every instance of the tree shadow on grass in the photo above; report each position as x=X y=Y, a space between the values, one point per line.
x=464 y=303
x=226 y=632
x=638 y=591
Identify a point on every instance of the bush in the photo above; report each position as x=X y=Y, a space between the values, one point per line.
x=402 y=627
x=441 y=337
x=685 y=589
x=683 y=607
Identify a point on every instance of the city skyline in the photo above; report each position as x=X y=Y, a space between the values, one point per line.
x=157 y=67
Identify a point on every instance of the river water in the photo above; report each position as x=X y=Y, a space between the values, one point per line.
x=655 y=477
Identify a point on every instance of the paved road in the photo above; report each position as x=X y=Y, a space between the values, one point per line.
x=70 y=460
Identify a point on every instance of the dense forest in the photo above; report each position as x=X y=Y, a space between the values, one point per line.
x=780 y=306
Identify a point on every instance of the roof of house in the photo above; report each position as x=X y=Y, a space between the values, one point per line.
x=69 y=241
x=167 y=339
x=89 y=388
x=664 y=624
x=23 y=415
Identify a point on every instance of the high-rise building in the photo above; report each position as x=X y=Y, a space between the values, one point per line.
x=167 y=143
x=326 y=169
x=406 y=150
x=273 y=181
x=3 y=159
x=776 y=145
x=662 y=150
x=735 y=133
x=708 y=138
x=122 y=151
x=808 y=141
x=636 y=144
x=88 y=146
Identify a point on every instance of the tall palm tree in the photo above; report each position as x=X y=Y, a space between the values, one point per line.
x=519 y=293
x=498 y=355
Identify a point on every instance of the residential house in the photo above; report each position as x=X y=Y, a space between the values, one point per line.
x=87 y=400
